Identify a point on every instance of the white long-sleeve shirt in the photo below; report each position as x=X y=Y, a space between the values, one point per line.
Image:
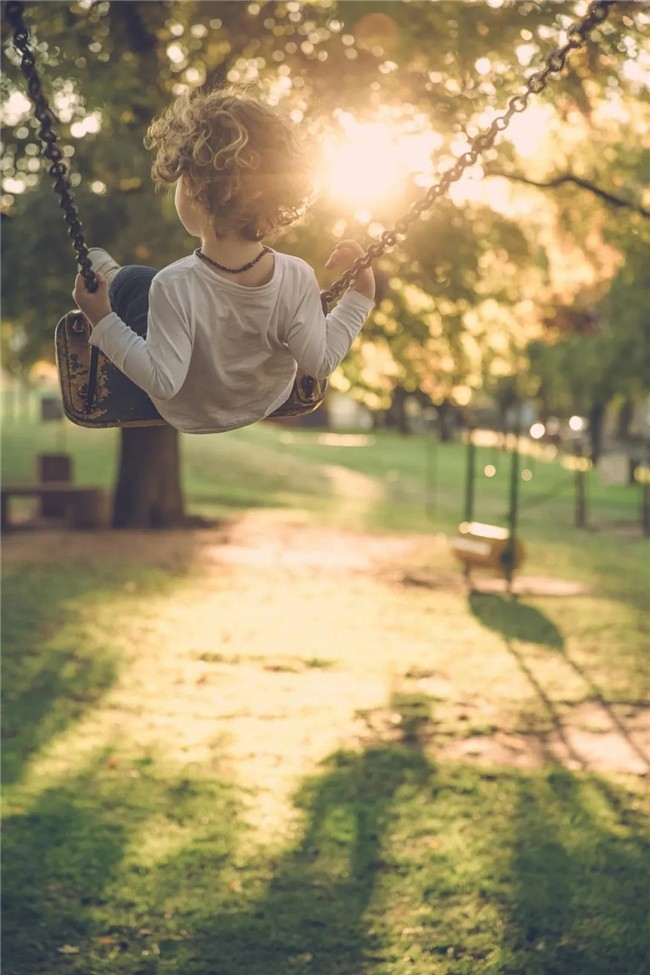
x=220 y=355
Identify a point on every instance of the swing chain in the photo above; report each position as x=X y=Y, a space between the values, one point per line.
x=577 y=35
x=555 y=62
x=58 y=169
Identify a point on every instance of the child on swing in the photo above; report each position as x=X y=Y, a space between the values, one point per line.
x=216 y=338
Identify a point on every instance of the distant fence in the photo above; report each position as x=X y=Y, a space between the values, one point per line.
x=554 y=483
x=22 y=403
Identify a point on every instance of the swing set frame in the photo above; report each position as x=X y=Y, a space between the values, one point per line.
x=95 y=393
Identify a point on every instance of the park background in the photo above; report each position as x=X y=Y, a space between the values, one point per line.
x=262 y=725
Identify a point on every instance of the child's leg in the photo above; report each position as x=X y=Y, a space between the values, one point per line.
x=129 y=295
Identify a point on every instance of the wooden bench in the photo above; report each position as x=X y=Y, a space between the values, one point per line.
x=83 y=507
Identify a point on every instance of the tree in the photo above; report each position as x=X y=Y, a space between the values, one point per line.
x=148 y=491
x=475 y=279
x=589 y=358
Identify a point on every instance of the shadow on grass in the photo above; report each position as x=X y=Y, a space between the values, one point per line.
x=57 y=662
x=399 y=866
x=50 y=675
x=515 y=620
x=79 y=889
x=597 y=695
x=312 y=914
x=80 y=894
x=75 y=902
x=580 y=879
x=235 y=502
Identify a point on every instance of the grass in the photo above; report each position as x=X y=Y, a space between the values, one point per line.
x=400 y=483
x=223 y=768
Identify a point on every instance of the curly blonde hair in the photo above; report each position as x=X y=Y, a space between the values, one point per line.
x=243 y=162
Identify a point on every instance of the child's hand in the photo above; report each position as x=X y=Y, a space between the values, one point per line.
x=95 y=305
x=344 y=255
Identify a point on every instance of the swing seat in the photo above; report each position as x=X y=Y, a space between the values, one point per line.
x=487 y=547
x=305 y=397
x=115 y=401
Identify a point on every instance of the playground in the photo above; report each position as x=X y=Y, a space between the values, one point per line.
x=285 y=692
x=292 y=740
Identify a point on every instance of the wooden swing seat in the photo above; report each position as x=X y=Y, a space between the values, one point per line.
x=487 y=546
x=100 y=395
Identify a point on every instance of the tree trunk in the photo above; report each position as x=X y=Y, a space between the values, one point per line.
x=447 y=425
x=596 y=417
x=148 y=492
x=625 y=416
x=397 y=411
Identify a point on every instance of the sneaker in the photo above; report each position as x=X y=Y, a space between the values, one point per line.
x=103 y=263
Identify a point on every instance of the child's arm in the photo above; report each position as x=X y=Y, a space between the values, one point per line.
x=157 y=364
x=343 y=255
x=320 y=342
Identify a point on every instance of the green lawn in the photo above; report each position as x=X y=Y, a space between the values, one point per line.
x=410 y=483
x=235 y=766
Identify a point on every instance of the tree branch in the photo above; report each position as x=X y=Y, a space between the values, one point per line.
x=140 y=41
x=584 y=184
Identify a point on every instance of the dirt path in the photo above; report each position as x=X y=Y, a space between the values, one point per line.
x=291 y=642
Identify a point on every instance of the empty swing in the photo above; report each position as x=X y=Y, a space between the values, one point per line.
x=485 y=546
x=95 y=392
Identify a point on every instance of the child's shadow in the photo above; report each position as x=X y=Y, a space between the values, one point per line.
x=312 y=914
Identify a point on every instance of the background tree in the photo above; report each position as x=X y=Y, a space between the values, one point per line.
x=551 y=217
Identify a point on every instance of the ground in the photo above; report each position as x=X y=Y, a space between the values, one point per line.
x=239 y=629
x=269 y=746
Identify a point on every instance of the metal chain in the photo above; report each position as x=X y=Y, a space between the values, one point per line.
x=536 y=83
x=58 y=169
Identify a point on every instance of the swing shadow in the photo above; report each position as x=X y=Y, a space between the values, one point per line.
x=311 y=914
x=516 y=621
x=58 y=858
x=596 y=695
x=321 y=898
x=65 y=854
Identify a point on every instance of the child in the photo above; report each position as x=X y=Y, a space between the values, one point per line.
x=216 y=338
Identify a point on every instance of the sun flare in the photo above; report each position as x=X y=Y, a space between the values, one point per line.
x=367 y=162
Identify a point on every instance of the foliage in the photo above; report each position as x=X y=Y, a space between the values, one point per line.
x=474 y=282
x=582 y=371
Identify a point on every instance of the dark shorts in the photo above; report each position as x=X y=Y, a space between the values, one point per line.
x=129 y=295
